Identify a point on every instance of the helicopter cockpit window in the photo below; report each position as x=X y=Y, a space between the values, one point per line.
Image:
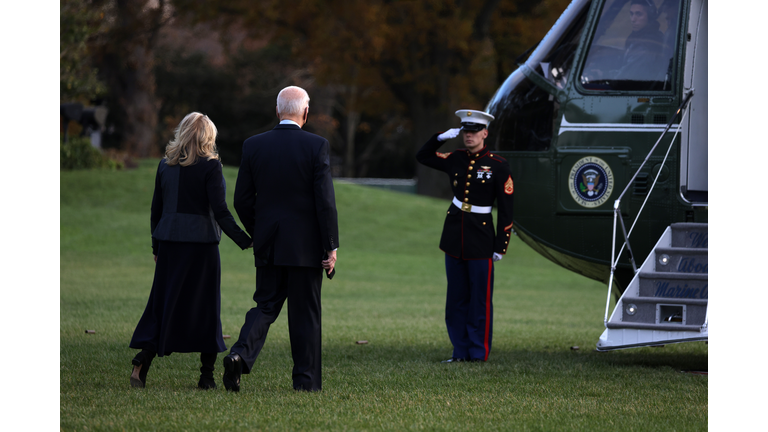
x=554 y=57
x=633 y=46
x=525 y=113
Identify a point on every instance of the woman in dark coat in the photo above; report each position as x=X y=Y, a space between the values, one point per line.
x=189 y=212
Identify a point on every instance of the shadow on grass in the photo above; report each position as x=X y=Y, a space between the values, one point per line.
x=680 y=357
x=105 y=365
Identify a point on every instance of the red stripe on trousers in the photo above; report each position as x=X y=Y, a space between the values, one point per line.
x=488 y=307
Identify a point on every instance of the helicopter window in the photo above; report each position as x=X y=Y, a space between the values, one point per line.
x=524 y=120
x=525 y=113
x=633 y=46
x=554 y=58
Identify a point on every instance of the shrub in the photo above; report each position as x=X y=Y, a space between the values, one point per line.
x=77 y=153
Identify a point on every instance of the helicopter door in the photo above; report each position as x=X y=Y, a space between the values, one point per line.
x=694 y=154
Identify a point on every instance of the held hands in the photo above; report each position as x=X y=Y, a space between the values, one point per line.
x=330 y=262
x=449 y=134
x=497 y=257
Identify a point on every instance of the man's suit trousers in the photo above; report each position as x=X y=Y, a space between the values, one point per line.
x=301 y=286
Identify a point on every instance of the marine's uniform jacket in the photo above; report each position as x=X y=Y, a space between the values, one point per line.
x=477 y=180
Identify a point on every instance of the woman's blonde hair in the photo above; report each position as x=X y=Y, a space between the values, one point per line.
x=194 y=137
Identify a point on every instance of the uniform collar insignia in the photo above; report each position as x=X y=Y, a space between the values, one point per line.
x=483 y=152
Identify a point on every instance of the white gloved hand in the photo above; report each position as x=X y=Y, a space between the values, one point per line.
x=497 y=257
x=450 y=133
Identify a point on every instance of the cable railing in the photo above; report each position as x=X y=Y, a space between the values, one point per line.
x=616 y=204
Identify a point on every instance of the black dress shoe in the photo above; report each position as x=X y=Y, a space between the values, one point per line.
x=454 y=360
x=208 y=361
x=232 y=369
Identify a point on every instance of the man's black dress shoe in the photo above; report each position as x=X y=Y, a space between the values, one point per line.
x=232 y=369
x=454 y=360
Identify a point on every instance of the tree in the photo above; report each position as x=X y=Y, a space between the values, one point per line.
x=419 y=60
x=238 y=94
x=79 y=25
x=124 y=53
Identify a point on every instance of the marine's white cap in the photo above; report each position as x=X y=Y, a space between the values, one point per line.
x=474 y=121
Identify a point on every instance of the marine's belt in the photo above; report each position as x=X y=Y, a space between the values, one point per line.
x=469 y=208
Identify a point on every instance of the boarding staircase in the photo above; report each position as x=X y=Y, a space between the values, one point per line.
x=666 y=302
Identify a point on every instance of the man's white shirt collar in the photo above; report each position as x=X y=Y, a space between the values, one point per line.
x=289 y=122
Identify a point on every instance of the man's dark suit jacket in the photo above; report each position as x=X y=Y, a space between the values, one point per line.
x=285 y=199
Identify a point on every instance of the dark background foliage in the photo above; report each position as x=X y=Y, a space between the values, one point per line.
x=383 y=76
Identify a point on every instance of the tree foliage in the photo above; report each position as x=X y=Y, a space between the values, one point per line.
x=238 y=96
x=124 y=54
x=383 y=75
x=415 y=60
x=80 y=24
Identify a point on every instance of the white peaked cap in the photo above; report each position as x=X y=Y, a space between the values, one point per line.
x=472 y=120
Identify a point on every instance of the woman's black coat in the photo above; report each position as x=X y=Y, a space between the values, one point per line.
x=189 y=205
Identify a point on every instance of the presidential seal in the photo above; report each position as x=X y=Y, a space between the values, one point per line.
x=590 y=182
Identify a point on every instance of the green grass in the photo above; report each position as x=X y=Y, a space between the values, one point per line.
x=389 y=290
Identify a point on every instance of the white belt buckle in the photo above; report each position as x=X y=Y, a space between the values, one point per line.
x=469 y=208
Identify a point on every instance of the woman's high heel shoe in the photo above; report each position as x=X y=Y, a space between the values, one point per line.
x=141 y=364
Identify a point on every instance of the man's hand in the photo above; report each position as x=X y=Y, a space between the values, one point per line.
x=155 y=259
x=449 y=134
x=330 y=262
x=497 y=257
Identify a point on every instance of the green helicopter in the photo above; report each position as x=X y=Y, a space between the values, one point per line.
x=604 y=126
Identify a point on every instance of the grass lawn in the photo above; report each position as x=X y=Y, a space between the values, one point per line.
x=389 y=290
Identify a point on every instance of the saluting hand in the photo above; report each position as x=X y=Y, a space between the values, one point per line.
x=330 y=262
x=449 y=134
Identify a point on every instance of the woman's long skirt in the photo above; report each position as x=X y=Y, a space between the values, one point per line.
x=183 y=311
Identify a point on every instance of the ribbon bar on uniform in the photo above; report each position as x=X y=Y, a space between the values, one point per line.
x=469 y=208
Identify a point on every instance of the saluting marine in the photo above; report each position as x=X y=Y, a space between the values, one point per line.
x=471 y=245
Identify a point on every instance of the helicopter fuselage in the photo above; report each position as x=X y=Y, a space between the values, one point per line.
x=577 y=123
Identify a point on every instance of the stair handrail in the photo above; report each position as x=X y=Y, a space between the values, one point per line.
x=617 y=203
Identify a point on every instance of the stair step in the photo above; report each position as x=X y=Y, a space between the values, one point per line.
x=682 y=260
x=657 y=327
x=668 y=299
x=657 y=311
x=686 y=301
x=691 y=235
x=673 y=285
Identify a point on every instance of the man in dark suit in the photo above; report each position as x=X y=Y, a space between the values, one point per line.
x=284 y=197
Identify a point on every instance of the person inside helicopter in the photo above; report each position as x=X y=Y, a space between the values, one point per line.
x=641 y=62
x=643 y=46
